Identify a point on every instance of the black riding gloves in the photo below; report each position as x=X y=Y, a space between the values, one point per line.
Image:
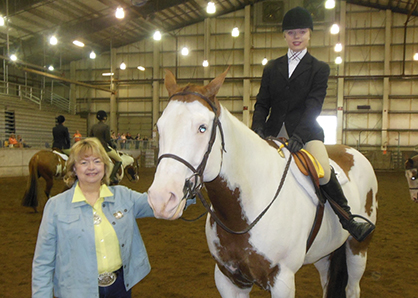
x=295 y=143
x=259 y=131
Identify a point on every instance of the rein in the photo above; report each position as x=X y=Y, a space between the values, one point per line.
x=194 y=189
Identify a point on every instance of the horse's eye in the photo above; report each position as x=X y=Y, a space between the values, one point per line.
x=413 y=178
x=202 y=128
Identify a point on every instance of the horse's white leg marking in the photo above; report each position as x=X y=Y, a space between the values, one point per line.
x=284 y=286
x=227 y=289
x=356 y=265
x=322 y=266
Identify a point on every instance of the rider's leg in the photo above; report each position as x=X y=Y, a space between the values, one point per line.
x=333 y=189
x=118 y=163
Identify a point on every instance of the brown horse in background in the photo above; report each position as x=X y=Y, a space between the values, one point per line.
x=45 y=164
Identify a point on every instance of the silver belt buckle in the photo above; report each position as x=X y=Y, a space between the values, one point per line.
x=107 y=279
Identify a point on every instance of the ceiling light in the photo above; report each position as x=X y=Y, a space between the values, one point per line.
x=211 y=8
x=157 y=35
x=141 y=68
x=205 y=63
x=235 y=32
x=416 y=57
x=329 y=4
x=264 y=62
x=338 y=47
x=335 y=29
x=338 y=60
x=120 y=13
x=2 y=21
x=92 y=55
x=122 y=66
x=107 y=74
x=51 y=67
x=78 y=43
x=53 y=40
x=185 y=51
x=13 y=57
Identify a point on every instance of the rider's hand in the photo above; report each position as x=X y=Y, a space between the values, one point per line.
x=295 y=143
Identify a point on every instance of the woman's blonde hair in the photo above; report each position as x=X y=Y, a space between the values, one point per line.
x=81 y=149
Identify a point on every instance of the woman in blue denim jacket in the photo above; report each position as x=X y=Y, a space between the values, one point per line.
x=89 y=244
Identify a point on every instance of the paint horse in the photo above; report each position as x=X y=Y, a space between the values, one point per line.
x=51 y=165
x=411 y=174
x=262 y=208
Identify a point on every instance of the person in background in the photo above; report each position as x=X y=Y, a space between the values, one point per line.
x=137 y=140
x=129 y=140
x=61 y=136
x=102 y=131
x=77 y=136
x=13 y=143
x=22 y=142
x=292 y=91
x=89 y=244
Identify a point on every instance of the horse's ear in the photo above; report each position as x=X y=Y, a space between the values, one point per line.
x=213 y=87
x=170 y=82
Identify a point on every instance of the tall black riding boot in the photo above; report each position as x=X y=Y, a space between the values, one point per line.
x=358 y=230
x=112 y=178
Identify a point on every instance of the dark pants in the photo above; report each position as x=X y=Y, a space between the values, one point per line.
x=117 y=290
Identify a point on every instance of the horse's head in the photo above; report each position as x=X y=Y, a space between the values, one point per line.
x=132 y=171
x=411 y=173
x=188 y=143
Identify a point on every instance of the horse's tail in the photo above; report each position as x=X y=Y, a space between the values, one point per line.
x=30 y=199
x=338 y=274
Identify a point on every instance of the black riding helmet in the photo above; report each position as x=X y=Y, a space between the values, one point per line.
x=101 y=115
x=60 y=119
x=297 y=18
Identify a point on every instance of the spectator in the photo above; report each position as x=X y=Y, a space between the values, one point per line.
x=129 y=140
x=13 y=143
x=138 y=140
x=77 y=136
x=22 y=142
x=122 y=141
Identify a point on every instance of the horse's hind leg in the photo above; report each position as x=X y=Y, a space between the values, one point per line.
x=48 y=187
x=227 y=289
x=323 y=268
x=356 y=264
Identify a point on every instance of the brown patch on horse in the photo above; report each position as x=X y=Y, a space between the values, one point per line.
x=240 y=260
x=369 y=203
x=360 y=248
x=338 y=153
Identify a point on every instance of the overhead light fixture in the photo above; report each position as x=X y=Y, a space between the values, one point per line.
x=78 y=43
x=107 y=74
x=141 y=68
x=13 y=57
x=185 y=51
x=157 y=35
x=211 y=8
x=235 y=32
x=120 y=13
x=53 y=40
x=264 y=62
x=2 y=22
x=335 y=29
x=338 y=47
x=92 y=55
x=51 y=67
x=205 y=63
x=329 y=4
x=122 y=66
x=338 y=60
x=416 y=56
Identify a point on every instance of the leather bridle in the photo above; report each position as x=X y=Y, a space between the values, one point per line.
x=191 y=189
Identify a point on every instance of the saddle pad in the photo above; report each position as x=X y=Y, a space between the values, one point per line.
x=63 y=156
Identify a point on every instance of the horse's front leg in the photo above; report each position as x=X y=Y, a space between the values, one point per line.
x=284 y=284
x=227 y=289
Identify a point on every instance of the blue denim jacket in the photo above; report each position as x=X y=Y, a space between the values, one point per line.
x=65 y=262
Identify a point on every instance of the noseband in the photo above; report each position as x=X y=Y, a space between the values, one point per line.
x=191 y=189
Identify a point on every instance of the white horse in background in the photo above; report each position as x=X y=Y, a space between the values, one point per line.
x=262 y=207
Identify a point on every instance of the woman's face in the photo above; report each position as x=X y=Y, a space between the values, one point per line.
x=90 y=169
x=297 y=39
